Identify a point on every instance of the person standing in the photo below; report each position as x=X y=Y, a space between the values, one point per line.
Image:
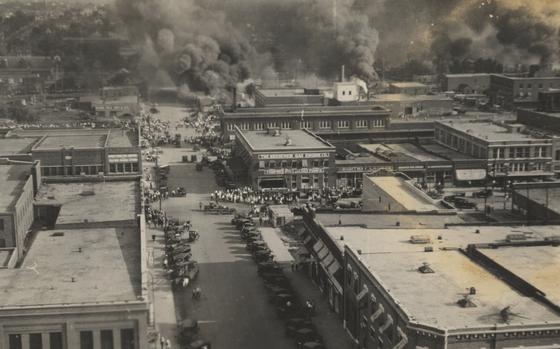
x=168 y=344
x=162 y=341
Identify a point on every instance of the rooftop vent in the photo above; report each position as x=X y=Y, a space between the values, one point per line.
x=288 y=141
x=425 y=269
x=420 y=239
x=515 y=237
x=466 y=302
x=428 y=249
x=87 y=193
x=58 y=233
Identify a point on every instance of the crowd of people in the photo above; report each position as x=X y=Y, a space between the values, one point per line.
x=247 y=195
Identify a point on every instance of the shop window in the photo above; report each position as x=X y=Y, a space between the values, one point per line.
x=56 y=340
x=86 y=340
x=35 y=341
x=135 y=167
x=15 y=341
x=112 y=168
x=127 y=339
x=107 y=339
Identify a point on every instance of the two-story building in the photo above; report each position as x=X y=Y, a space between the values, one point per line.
x=511 y=92
x=510 y=152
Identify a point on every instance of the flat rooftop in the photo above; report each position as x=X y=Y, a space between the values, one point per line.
x=540 y=195
x=72 y=141
x=14 y=146
x=538 y=265
x=393 y=260
x=487 y=131
x=389 y=221
x=55 y=271
x=314 y=111
x=410 y=197
x=405 y=150
x=406 y=84
x=76 y=138
x=285 y=92
x=400 y=97
x=91 y=201
x=13 y=179
x=300 y=140
x=431 y=299
x=119 y=138
x=447 y=153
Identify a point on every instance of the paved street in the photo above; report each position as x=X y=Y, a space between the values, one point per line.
x=234 y=309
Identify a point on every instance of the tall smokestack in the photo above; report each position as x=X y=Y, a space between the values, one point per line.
x=234 y=92
x=342 y=78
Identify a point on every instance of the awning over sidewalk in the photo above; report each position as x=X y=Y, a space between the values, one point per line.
x=470 y=174
x=276 y=245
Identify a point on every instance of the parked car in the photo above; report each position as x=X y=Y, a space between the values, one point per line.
x=483 y=193
x=463 y=203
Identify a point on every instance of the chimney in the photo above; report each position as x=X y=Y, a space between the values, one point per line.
x=234 y=103
x=342 y=77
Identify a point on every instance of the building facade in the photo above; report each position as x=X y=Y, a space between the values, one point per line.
x=509 y=151
x=467 y=83
x=285 y=159
x=324 y=121
x=88 y=152
x=284 y=97
x=511 y=92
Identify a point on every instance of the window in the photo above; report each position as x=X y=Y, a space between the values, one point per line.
x=306 y=124
x=258 y=126
x=86 y=340
x=35 y=341
x=107 y=339
x=315 y=163
x=521 y=85
x=361 y=124
x=343 y=124
x=541 y=86
x=56 y=340
x=285 y=125
x=230 y=126
x=127 y=339
x=529 y=85
x=1 y=224
x=15 y=341
x=244 y=126
x=350 y=93
x=343 y=93
x=324 y=124
x=378 y=123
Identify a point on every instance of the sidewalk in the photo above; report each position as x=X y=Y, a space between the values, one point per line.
x=328 y=324
x=161 y=293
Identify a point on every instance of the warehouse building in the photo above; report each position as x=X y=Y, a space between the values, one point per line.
x=404 y=105
x=512 y=92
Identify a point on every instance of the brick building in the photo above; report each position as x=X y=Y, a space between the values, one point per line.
x=285 y=159
x=467 y=83
x=286 y=97
x=437 y=287
x=20 y=182
x=83 y=282
x=324 y=121
x=75 y=152
x=510 y=151
x=511 y=92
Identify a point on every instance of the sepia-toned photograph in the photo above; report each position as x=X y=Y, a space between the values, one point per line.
x=279 y=174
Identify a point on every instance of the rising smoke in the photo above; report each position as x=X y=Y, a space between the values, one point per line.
x=210 y=45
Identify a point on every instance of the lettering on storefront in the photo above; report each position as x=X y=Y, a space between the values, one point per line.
x=116 y=158
x=360 y=169
x=280 y=171
x=293 y=156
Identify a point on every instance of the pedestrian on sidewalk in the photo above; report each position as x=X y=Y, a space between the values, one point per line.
x=200 y=205
x=168 y=344
x=162 y=341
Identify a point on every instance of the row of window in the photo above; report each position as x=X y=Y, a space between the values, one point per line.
x=71 y=171
x=35 y=340
x=322 y=124
x=519 y=152
x=540 y=85
x=126 y=167
x=294 y=164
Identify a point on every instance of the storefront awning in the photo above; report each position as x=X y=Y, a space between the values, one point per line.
x=318 y=246
x=323 y=254
x=470 y=174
